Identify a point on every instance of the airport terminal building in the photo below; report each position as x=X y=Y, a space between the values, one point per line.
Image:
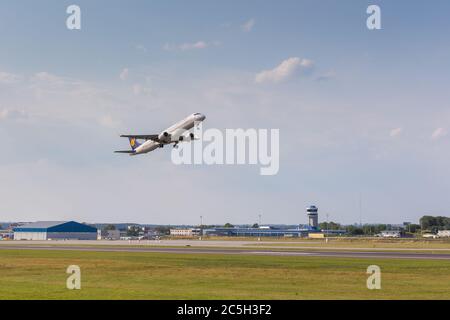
x=301 y=231
x=268 y=231
x=55 y=230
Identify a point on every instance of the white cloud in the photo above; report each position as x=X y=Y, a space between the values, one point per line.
x=191 y=46
x=8 y=78
x=285 y=70
x=248 y=26
x=124 y=74
x=196 y=45
x=49 y=80
x=44 y=96
x=47 y=77
x=439 y=133
x=395 y=132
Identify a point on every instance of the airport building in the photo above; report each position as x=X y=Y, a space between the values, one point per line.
x=108 y=234
x=311 y=229
x=189 y=232
x=313 y=217
x=258 y=232
x=55 y=230
x=6 y=234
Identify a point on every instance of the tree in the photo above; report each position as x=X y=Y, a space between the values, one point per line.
x=372 y=229
x=228 y=225
x=427 y=222
x=255 y=225
x=414 y=228
x=330 y=226
x=354 y=230
x=162 y=230
x=133 y=231
x=109 y=227
x=434 y=223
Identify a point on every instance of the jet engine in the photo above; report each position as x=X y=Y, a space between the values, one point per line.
x=164 y=137
x=188 y=136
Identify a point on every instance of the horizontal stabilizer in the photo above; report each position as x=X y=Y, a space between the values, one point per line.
x=125 y=151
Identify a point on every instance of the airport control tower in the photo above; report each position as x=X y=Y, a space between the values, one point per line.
x=313 y=217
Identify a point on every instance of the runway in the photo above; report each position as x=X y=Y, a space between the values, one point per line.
x=234 y=251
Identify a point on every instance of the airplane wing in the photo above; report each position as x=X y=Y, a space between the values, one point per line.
x=153 y=137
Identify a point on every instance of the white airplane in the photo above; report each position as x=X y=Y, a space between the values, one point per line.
x=175 y=134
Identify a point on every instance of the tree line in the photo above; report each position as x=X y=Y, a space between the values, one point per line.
x=426 y=224
x=434 y=224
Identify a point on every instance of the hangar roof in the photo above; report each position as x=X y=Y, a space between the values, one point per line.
x=42 y=224
x=55 y=226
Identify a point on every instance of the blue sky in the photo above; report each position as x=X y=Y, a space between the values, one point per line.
x=369 y=117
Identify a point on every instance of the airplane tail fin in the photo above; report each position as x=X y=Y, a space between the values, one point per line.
x=133 y=143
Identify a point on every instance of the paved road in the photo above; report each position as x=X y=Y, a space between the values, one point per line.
x=236 y=251
x=257 y=245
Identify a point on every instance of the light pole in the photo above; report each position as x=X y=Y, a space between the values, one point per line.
x=259 y=226
x=327 y=226
x=201 y=226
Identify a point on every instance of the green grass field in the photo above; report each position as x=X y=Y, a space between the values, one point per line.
x=441 y=245
x=34 y=274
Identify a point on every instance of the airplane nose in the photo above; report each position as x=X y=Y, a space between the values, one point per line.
x=201 y=117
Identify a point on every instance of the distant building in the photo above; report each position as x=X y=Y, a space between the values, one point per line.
x=109 y=234
x=151 y=234
x=136 y=226
x=334 y=232
x=258 y=232
x=391 y=234
x=316 y=235
x=443 y=233
x=6 y=235
x=311 y=230
x=189 y=232
x=313 y=217
x=55 y=230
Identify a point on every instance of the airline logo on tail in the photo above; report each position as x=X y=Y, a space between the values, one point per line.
x=133 y=143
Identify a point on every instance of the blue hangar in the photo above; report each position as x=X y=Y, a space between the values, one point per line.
x=55 y=230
